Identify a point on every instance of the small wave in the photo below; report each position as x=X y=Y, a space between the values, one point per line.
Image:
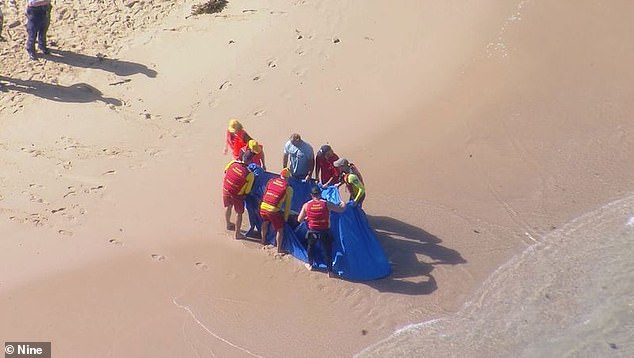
x=563 y=295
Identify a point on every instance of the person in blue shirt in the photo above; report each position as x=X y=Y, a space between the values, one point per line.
x=301 y=157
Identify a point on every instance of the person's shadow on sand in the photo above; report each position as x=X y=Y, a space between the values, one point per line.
x=77 y=93
x=118 y=67
x=402 y=243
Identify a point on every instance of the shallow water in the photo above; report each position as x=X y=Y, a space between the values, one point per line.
x=569 y=295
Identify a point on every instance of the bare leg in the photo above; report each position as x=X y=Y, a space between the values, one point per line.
x=279 y=237
x=239 y=226
x=265 y=232
x=228 y=218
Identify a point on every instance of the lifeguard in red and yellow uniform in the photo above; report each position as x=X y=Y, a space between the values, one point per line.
x=237 y=183
x=236 y=138
x=277 y=194
x=317 y=214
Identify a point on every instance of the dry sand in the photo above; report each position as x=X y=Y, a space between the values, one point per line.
x=478 y=127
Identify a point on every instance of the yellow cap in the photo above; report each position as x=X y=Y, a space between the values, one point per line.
x=254 y=146
x=285 y=173
x=234 y=125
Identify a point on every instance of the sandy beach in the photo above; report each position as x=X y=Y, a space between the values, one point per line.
x=480 y=128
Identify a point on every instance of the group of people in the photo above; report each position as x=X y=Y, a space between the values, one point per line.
x=299 y=162
x=38 y=18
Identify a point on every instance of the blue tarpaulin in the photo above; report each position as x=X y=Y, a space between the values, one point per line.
x=357 y=254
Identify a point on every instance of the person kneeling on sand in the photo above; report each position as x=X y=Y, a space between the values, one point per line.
x=237 y=183
x=276 y=194
x=317 y=213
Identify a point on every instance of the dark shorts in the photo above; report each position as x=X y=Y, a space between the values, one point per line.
x=318 y=234
x=237 y=201
x=276 y=218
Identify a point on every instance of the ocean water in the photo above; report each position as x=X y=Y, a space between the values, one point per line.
x=571 y=294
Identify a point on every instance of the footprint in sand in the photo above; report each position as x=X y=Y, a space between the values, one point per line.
x=272 y=63
x=225 y=85
x=65 y=232
x=65 y=165
x=115 y=241
x=96 y=188
x=57 y=210
x=258 y=113
x=71 y=191
x=184 y=119
x=202 y=266
x=136 y=166
x=152 y=151
x=158 y=258
x=36 y=219
x=257 y=78
x=34 y=198
x=111 y=152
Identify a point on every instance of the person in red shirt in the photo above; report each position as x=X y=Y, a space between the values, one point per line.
x=238 y=182
x=276 y=207
x=324 y=165
x=317 y=214
x=236 y=138
x=258 y=153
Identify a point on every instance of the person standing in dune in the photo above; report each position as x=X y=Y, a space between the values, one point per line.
x=324 y=165
x=38 y=18
x=316 y=212
x=237 y=183
x=236 y=138
x=277 y=194
x=301 y=155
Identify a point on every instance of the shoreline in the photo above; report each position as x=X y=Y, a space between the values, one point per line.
x=112 y=209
